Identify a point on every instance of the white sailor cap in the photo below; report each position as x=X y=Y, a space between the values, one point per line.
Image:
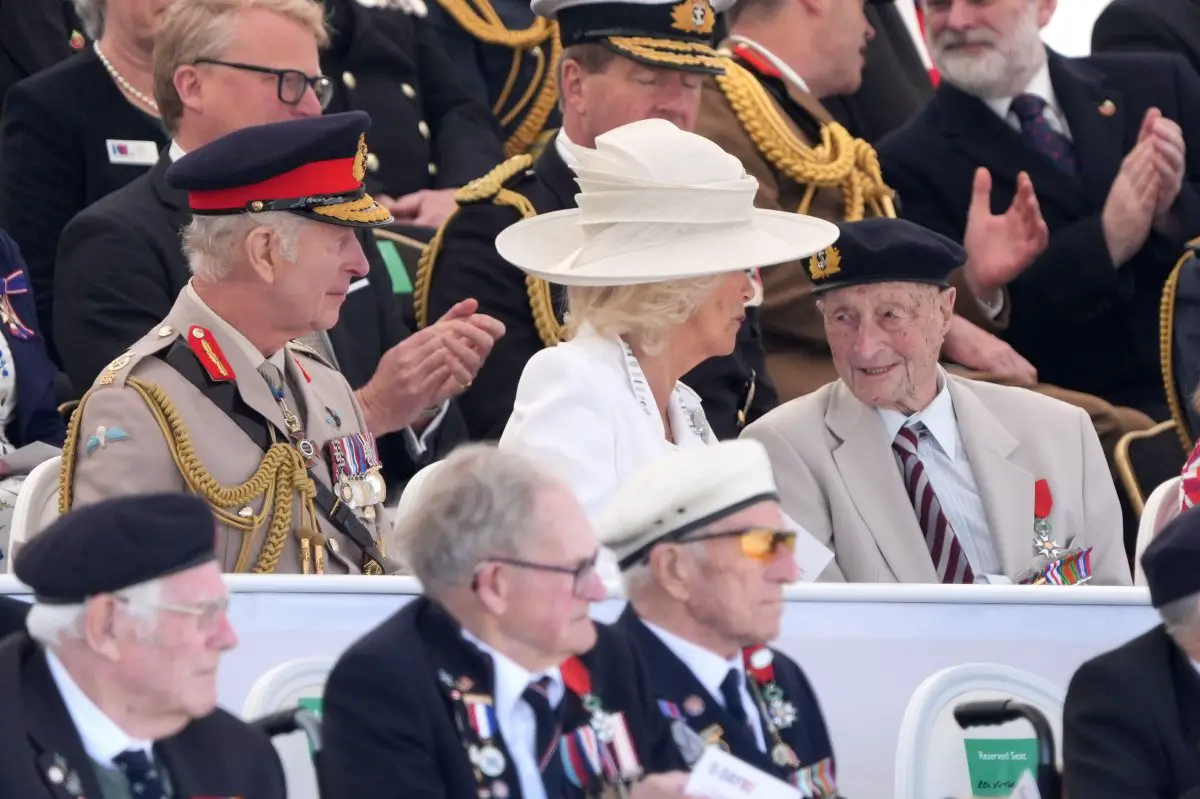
x=684 y=492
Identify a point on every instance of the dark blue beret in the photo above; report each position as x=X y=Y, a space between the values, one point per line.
x=117 y=543
x=883 y=250
x=312 y=166
x=1171 y=562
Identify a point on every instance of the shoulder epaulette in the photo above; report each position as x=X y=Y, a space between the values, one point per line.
x=501 y=177
x=121 y=367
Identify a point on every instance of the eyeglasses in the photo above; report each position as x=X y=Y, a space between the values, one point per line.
x=292 y=83
x=579 y=574
x=759 y=543
x=206 y=614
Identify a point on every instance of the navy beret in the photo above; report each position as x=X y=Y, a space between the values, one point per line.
x=312 y=166
x=117 y=543
x=1171 y=562
x=881 y=250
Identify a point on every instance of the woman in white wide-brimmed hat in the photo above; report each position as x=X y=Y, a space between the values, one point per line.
x=655 y=260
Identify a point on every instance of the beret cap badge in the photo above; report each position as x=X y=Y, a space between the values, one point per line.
x=693 y=16
x=824 y=264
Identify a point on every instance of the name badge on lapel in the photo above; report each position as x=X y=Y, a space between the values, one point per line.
x=129 y=152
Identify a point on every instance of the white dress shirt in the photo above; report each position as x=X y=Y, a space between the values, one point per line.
x=710 y=669
x=1040 y=86
x=950 y=474
x=514 y=717
x=101 y=737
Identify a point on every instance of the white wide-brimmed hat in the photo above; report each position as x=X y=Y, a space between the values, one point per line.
x=657 y=203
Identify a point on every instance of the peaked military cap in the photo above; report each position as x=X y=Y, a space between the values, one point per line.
x=884 y=250
x=313 y=167
x=676 y=34
x=115 y=544
x=1171 y=562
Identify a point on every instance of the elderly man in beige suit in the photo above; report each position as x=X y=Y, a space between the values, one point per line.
x=914 y=475
x=218 y=400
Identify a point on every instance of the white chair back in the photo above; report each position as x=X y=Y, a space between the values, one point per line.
x=1161 y=507
x=35 y=508
x=289 y=685
x=932 y=754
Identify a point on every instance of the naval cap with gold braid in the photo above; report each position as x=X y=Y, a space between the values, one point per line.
x=884 y=250
x=313 y=167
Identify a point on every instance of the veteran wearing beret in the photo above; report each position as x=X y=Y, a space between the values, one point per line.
x=704 y=552
x=914 y=475
x=218 y=399
x=1131 y=722
x=112 y=692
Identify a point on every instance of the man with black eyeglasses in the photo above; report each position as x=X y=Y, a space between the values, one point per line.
x=705 y=551
x=497 y=677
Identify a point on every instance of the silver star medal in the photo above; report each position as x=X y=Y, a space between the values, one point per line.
x=783 y=713
x=1043 y=542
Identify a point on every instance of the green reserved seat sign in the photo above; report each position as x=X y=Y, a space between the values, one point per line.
x=995 y=764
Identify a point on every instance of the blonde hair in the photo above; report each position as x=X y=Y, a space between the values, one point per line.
x=642 y=313
x=197 y=29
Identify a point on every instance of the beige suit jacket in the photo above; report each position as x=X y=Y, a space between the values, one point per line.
x=138 y=459
x=838 y=478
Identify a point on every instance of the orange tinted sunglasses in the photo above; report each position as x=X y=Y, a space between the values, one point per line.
x=760 y=543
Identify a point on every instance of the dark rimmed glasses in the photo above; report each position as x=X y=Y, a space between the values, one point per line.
x=291 y=83
x=759 y=543
x=579 y=574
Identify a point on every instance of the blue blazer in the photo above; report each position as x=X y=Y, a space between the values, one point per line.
x=36 y=417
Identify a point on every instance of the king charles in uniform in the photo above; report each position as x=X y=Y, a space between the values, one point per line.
x=704 y=555
x=218 y=400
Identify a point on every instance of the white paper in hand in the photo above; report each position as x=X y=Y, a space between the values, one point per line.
x=720 y=775
x=811 y=555
x=1026 y=788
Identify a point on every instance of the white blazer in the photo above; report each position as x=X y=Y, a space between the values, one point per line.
x=585 y=406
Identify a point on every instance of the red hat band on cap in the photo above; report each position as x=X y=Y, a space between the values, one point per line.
x=333 y=177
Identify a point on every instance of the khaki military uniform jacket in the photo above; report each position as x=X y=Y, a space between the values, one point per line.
x=145 y=427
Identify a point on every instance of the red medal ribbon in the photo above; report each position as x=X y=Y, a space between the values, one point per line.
x=760 y=64
x=575 y=676
x=1043 y=502
x=763 y=675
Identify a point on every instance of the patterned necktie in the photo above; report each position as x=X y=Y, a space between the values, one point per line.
x=549 y=731
x=1037 y=133
x=948 y=557
x=144 y=778
x=731 y=691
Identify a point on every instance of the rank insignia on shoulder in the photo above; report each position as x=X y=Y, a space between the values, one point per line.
x=110 y=372
x=208 y=352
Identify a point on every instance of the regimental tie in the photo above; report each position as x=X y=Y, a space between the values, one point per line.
x=145 y=779
x=731 y=692
x=948 y=557
x=549 y=731
x=1037 y=132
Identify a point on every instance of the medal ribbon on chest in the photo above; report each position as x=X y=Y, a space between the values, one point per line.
x=600 y=753
x=475 y=719
x=1043 y=540
x=354 y=461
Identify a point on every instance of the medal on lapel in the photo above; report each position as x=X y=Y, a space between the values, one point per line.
x=600 y=754
x=1043 y=503
x=475 y=718
x=15 y=283
x=354 y=461
x=779 y=713
x=59 y=773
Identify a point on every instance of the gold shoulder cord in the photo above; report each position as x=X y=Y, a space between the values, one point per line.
x=1166 y=338
x=839 y=161
x=482 y=22
x=280 y=474
x=491 y=186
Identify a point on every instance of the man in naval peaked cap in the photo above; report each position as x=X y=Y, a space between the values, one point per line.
x=1131 y=722
x=704 y=553
x=112 y=692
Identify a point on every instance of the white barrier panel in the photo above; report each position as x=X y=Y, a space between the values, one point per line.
x=866 y=648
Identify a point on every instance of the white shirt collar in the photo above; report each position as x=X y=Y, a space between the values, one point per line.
x=175 y=151
x=102 y=738
x=561 y=142
x=938 y=417
x=707 y=666
x=1040 y=85
x=229 y=333
x=510 y=679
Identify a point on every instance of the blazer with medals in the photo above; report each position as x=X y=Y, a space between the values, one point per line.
x=838 y=478
x=675 y=688
x=121 y=268
x=1131 y=723
x=462 y=262
x=393 y=726
x=1071 y=309
x=165 y=417
x=775 y=129
x=44 y=757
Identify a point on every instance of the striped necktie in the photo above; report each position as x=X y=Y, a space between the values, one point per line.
x=948 y=557
x=549 y=731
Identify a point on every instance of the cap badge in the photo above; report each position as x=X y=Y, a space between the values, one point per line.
x=360 y=159
x=693 y=16
x=825 y=263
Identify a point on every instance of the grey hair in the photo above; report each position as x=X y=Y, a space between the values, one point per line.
x=1182 y=616
x=210 y=243
x=479 y=504
x=54 y=625
x=637 y=578
x=91 y=15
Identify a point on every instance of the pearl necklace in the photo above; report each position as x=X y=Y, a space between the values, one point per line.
x=124 y=84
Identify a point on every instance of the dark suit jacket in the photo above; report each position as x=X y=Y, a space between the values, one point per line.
x=121 y=267
x=1072 y=312
x=34 y=35
x=214 y=756
x=1131 y=723
x=1171 y=26
x=389 y=731
x=12 y=615
x=468 y=265
x=54 y=159
x=36 y=417
x=672 y=681
x=376 y=52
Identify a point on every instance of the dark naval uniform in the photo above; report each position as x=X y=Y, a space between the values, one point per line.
x=798 y=746
x=507 y=57
x=431 y=133
x=402 y=711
